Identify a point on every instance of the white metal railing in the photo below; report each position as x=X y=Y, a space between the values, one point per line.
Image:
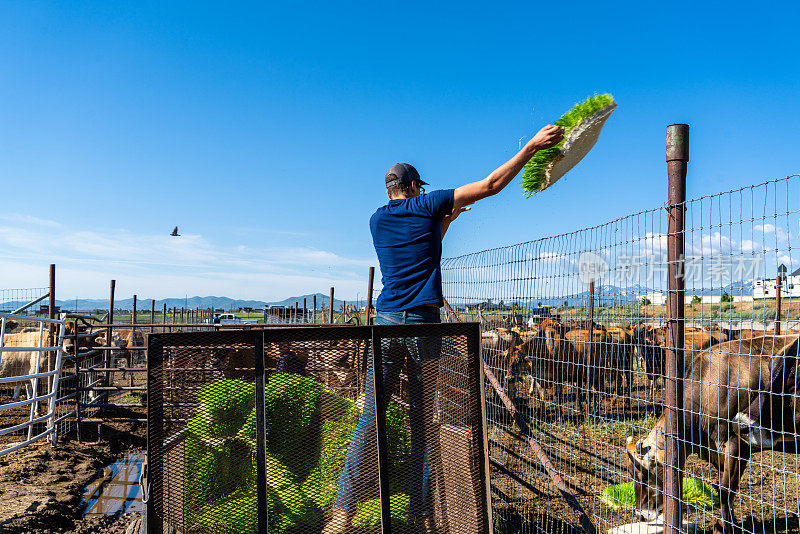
x=38 y=362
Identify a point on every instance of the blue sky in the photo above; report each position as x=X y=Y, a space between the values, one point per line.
x=263 y=130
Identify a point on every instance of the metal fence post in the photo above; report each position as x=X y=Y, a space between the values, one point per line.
x=330 y=312
x=107 y=351
x=370 y=283
x=314 y=304
x=78 y=392
x=778 y=288
x=133 y=330
x=305 y=310
x=677 y=159
x=164 y=315
x=51 y=314
x=380 y=424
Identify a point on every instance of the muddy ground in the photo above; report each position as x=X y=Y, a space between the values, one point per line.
x=41 y=487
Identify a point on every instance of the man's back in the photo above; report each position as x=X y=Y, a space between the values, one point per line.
x=408 y=241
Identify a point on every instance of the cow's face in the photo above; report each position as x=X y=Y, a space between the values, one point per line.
x=772 y=418
x=646 y=467
x=84 y=341
x=773 y=415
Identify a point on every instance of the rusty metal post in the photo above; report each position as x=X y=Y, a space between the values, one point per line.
x=130 y=352
x=591 y=349
x=183 y=319
x=107 y=352
x=51 y=311
x=368 y=321
x=152 y=313
x=78 y=392
x=677 y=159
x=296 y=311
x=164 y=315
x=330 y=317
x=314 y=305
x=51 y=314
x=174 y=313
x=370 y=283
x=778 y=288
x=305 y=310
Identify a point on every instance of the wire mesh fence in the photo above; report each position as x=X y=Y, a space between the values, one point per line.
x=220 y=402
x=16 y=300
x=575 y=328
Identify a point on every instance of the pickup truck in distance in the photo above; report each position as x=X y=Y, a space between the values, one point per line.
x=229 y=318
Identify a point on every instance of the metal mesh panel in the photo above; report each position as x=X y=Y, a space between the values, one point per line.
x=202 y=395
x=435 y=458
x=319 y=435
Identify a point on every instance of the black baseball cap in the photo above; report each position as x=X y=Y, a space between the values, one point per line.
x=403 y=173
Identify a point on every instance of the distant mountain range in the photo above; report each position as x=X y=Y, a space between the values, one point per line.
x=611 y=295
x=225 y=303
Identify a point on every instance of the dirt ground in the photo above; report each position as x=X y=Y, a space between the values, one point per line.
x=41 y=487
x=591 y=457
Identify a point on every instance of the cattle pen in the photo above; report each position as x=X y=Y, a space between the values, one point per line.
x=638 y=375
x=628 y=354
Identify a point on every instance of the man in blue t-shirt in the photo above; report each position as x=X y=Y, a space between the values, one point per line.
x=407 y=234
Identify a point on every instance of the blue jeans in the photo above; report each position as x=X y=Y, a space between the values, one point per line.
x=361 y=456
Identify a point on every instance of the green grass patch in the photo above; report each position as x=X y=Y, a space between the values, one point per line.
x=133 y=397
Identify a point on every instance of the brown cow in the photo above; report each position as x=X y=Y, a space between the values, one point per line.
x=773 y=417
x=717 y=382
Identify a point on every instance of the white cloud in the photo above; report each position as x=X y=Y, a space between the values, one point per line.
x=161 y=266
x=752 y=246
x=780 y=233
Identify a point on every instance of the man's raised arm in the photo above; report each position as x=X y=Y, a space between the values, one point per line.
x=494 y=183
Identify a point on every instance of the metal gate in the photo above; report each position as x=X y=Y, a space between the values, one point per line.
x=268 y=431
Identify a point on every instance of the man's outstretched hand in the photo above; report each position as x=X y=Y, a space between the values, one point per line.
x=547 y=137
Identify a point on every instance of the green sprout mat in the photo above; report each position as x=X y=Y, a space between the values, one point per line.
x=695 y=493
x=308 y=430
x=582 y=125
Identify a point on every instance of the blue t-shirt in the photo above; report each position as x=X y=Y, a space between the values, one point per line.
x=407 y=234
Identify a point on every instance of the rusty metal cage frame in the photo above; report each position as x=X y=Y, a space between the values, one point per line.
x=159 y=444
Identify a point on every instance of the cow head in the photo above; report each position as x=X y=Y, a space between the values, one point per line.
x=84 y=338
x=772 y=416
x=646 y=467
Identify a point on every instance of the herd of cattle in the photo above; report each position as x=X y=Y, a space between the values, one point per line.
x=740 y=392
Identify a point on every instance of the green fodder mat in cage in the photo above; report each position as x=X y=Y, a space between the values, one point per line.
x=695 y=492
x=308 y=430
